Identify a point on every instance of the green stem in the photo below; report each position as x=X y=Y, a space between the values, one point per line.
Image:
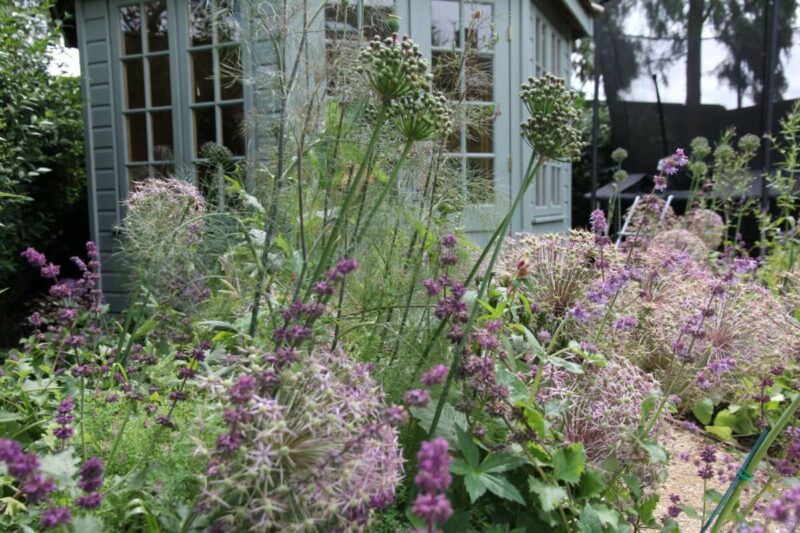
x=119 y=437
x=759 y=454
x=502 y=229
x=83 y=432
x=341 y=218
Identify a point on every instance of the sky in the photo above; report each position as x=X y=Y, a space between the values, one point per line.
x=713 y=91
x=65 y=61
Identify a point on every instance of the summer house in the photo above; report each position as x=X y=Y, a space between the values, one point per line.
x=161 y=78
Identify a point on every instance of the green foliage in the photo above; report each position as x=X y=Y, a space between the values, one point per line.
x=42 y=174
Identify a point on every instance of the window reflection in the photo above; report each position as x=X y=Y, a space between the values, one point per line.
x=230 y=73
x=134 y=83
x=130 y=22
x=232 y=132
x=480 y=136
x=228 y=24
x=446 y=69
x=200 y=22
x=163 y=148
x=480 y=79
x=157 y=26
x=160 y=86
x=480 y=181
x=203 y=76
x=445 y=23
x=479 y=31
x=205 y=127
x=137 y=137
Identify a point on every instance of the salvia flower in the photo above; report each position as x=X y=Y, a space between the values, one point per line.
x=91 y=474
x=597 y=222
x=417 y=397
x=433 y=479
x=55 y=516
x=435 y=376
x=64 y=419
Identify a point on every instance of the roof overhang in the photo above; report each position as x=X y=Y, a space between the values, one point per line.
x=581 y=13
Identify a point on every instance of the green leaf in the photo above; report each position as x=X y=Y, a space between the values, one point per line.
x=703 y=410
x=7 y=416
x=726 y=418
x=87 y=524
x=63 y=466
x=648 y=405
x=459 y=467
x=569 y=462
x=569 y=366
x=468 y=448
x=517 y=391
x=655 y=451
x=448 y=422
x=723 y=432
x=535 y=420
x=647 y=507
x=503 y=488
x=538 y=451
x=591 y=484
x=589 y=521
x=608 y=516
x=500 y=462
x=475 y=485
x=550 y=496
x=145 y=328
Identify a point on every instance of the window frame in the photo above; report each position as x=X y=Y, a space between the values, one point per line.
x=182 y=104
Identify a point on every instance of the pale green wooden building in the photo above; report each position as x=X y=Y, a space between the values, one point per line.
x=158 y=83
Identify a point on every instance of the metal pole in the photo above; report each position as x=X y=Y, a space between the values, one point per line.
x=664 y=143
x=595 y=111
x=770 y=60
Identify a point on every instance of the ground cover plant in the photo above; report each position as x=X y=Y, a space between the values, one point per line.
x=325 y=351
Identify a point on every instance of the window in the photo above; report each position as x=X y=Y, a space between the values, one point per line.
x=147 y=93
x=346 y=23
x=549 y=57
x=462 y=57
x=216 y=99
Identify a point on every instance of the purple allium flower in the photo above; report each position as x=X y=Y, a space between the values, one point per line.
x=34 y=257
x=448 y=241
x=90 y=501
x=417 y=397
x=396 y=415
x=434 y=462
x=91 y=474
x=722 y=366
x=659 y=183
x=597 y=222
x=242 y=390
x=55 y=516
x=435 y=376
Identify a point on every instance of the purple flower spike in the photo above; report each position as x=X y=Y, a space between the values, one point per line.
x=597 y=222
x=242 y=390
x=435 y=376
x=34 y=257
x=434 y=466
x=417 y=397
x=55 y=516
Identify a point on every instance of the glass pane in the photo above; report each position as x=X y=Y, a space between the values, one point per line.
x=157 y=26
x=480 y=181
x=376 y=18
x=480 y=79
x=136 y=174
x=230 y=73
x=228 y=24
x=203 y=76
x=444 y=23
x=341 y=19
x=163 y=148
x=480 y=136
x=160 y=87
x=134 y=83
x=137 y=137
x=232 y=128
x=446 y=67
x=479 y=34
x=454 y=141
x=130 y=24
x=205 y=127
x=200 y=22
